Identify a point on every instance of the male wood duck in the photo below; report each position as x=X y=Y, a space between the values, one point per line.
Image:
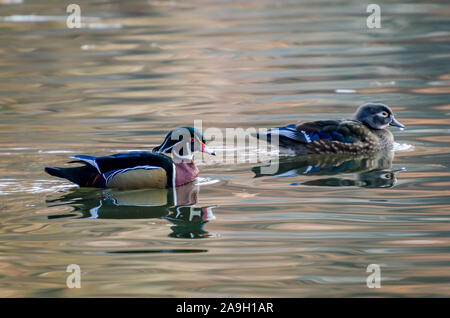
x=365 y=132
x=139 y=169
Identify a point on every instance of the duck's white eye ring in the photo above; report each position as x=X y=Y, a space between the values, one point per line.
x=384 y=114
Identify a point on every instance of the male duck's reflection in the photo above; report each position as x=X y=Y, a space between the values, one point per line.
x=175 y=205
x=371 y=170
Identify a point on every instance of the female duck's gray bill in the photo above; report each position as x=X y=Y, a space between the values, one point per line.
x=395 y=123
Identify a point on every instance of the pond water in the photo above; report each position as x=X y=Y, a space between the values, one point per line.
x=137 y=69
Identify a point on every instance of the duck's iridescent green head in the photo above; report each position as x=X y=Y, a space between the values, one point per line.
x=183 y=141
x=376 y=116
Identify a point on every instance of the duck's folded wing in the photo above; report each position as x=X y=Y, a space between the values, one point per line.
x=345 y=131
x=286 y=134
x=342 y=131
x=132 y=167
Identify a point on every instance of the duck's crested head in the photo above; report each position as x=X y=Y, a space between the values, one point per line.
x=376 y=116
x=183 y=141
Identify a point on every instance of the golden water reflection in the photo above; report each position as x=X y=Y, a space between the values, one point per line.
x=137 y=69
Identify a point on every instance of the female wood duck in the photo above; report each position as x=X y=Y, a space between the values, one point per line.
x=366 y=132
x=139 y=169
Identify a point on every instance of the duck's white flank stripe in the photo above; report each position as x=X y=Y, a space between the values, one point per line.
x=174 y=183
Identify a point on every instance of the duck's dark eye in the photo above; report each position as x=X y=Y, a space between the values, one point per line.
x=384 y=114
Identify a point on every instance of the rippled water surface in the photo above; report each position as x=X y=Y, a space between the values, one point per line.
x=137 y=69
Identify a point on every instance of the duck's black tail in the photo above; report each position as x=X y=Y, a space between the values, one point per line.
x=84 y=176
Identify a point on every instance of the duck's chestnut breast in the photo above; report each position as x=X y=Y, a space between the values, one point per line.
x=185 y=172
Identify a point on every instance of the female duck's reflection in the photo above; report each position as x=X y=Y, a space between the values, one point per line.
x=175 y=205
x=370 y=170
